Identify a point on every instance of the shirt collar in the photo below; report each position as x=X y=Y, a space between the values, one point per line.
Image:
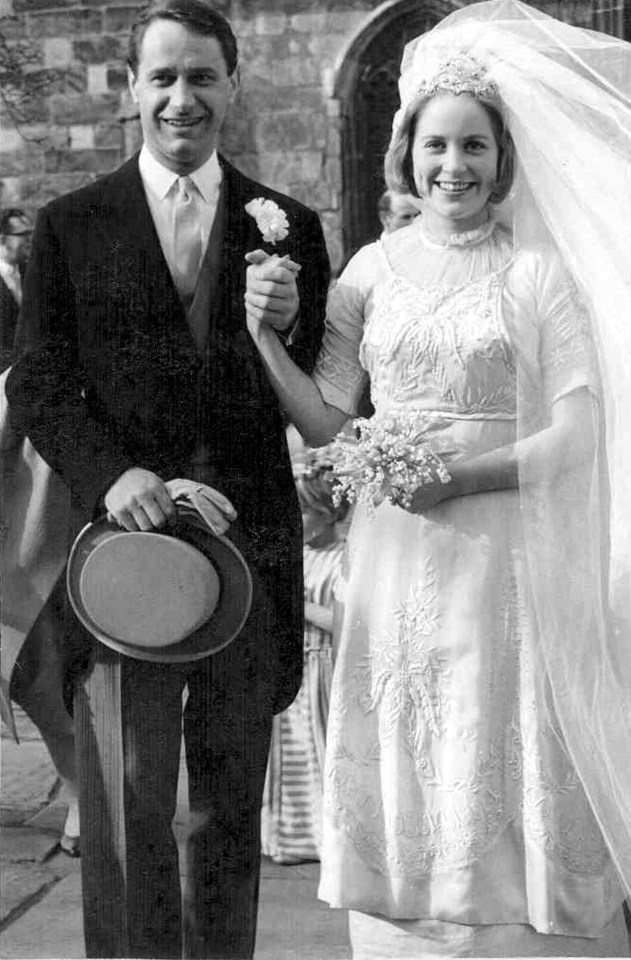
x=159 y=179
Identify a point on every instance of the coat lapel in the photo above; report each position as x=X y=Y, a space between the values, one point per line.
x=140 y=262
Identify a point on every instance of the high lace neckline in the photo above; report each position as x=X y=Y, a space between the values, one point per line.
x=467 y=239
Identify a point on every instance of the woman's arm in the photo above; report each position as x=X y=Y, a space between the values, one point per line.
x=316 y=420
x=568 y=441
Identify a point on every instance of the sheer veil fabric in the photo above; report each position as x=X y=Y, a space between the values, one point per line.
x=566 y=94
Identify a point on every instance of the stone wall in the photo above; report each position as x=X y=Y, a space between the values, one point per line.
x=285 y=127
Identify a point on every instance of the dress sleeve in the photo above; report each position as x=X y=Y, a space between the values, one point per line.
x=567 y=352
x=339 y=374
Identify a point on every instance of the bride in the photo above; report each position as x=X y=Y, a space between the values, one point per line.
x=478 y=775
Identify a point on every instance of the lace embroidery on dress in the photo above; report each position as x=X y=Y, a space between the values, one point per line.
x=403 y=674
x=451 y=337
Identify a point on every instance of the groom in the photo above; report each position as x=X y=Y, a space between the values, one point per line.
x=136 y=367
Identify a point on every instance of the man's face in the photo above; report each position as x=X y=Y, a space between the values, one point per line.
x=183 y=91
x=15 y=246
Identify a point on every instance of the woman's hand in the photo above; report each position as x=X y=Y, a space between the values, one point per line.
x=430 y=495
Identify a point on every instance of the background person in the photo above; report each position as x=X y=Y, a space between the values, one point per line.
x=292 y=800
x=136 y=368
x=397 y=210
x=478 y=755
x=15 y=240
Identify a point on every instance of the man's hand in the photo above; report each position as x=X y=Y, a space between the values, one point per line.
x=271 y=292
x=139 y=500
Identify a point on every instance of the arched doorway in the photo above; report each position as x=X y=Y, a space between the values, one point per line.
x=366 y=88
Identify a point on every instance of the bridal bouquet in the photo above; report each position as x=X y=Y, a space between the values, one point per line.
x=388 y=461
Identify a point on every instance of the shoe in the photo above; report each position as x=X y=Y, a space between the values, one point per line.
x=70 y=845
x=69 y=842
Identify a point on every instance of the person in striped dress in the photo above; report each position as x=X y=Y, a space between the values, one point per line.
x=292 y=800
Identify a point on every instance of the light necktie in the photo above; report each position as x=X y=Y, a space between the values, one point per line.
x=187 y=238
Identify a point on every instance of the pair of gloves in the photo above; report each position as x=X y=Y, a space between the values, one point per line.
x=215 y=509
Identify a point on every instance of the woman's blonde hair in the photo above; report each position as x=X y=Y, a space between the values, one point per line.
x=398 y=167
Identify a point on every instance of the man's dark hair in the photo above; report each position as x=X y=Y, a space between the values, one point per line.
x=196 y=15
x=6 y=216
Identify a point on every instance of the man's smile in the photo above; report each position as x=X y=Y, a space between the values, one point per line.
x=182 y=122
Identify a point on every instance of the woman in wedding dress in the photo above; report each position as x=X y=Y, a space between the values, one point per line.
x=477 y=783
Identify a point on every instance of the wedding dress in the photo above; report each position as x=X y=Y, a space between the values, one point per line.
x=449 y=796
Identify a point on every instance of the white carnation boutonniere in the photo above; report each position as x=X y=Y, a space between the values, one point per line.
x=270 y=219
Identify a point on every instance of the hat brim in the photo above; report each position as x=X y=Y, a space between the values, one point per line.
x=229 y=615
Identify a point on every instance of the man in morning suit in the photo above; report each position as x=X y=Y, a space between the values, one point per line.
x=135 y=368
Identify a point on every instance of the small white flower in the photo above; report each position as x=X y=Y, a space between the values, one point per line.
x=270 y=219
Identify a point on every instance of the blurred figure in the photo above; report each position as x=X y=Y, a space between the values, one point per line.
x=35 y=516
x=397 y=210
x=292 y=801
x=15 y=239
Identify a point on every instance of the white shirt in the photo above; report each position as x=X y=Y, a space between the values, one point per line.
x=10 y=273
x=161 y=187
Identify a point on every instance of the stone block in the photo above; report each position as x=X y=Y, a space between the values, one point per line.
x=13 y=27
x=326 y=47
x=294 y=166
x=269 y=24
x=116 y=78
x=13 y=163
x=296 y=71
x=97 y=78
x=12 y=140
x=345 y=22
x=119 y=19
x=289 y=131
x=65 y=23
x=28 y=6
x=58 y=52
x=77 y=161
x=107 y=134
x=333 y=172
x=308 y=22
x=81 y=137
x=86 y=109
x=39 y=189
x=100 y=49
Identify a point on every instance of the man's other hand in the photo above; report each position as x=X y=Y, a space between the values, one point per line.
x=271 y=292
x=139 y=500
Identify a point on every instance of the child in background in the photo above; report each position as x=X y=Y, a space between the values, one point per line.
x=292 y=799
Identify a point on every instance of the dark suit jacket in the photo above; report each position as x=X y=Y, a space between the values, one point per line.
x=109 y=377
x=9 y=311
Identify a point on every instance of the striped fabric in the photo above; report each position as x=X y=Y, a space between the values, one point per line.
x=292 y=799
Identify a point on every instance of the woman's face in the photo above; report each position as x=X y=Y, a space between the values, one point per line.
x=454 y=157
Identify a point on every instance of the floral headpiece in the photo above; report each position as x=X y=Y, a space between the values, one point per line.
x=452 y=70
x=459 y=73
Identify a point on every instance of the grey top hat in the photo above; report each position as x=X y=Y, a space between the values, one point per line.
x=170 y=596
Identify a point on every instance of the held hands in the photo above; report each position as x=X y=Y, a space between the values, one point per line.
x=140 y=500
x=271 y=292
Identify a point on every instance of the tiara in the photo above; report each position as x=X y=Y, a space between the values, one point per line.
x=455 y=73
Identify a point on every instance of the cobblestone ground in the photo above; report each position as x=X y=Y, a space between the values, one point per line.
x=40 y=912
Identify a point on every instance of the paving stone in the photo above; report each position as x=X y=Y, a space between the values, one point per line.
x=293 y=923
x=52 y=928
x=20 y=883
x=25 y=845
